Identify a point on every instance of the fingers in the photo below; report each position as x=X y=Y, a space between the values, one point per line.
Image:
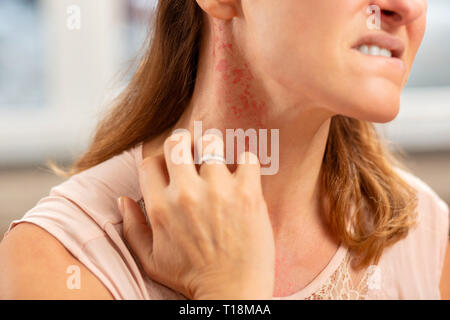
x=136 y=230
x=212 y=146
x=152 y=178
x=248 y=170
x=178 y=155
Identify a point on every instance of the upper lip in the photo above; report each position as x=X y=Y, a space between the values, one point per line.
x=395 y=45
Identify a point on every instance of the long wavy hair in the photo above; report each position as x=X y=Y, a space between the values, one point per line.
x=358 y=170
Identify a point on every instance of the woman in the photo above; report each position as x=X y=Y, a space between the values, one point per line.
x=339 y=219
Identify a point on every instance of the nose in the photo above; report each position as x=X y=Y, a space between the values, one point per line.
x=401 y=12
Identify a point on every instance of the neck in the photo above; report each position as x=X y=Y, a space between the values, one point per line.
x=228 y=94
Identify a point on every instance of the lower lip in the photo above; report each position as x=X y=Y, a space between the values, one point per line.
x=391 y=62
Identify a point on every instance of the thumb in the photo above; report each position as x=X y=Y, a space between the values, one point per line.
x=136 y=231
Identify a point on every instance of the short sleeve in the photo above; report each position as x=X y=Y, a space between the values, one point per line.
x=82 y=214
x=414 y=265
x=444 y=234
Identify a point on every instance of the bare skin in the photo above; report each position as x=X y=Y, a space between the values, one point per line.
x=33 y=265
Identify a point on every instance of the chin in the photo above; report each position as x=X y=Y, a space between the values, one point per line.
x=380 y=109
x=380 y=103
x=387 y=115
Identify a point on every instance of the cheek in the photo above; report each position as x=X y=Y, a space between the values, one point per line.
x=294 y=60
x=274 y=34
x=416 y=33
x=298 y=43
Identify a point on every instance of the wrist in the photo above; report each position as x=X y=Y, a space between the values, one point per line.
x=238 y=291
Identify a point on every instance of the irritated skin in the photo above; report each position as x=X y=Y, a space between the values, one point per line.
x=238 y=98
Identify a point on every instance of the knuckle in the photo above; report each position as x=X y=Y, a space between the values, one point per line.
x=215 y=193
x=187 y=198
x=157 y=221
x=157 y=216
x=158 y=209
x=246 y=194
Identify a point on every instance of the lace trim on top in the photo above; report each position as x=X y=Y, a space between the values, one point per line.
x=343 y=284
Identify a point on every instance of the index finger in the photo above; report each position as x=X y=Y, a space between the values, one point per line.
x=248 y=169
x=153 y=178
x=178 y=155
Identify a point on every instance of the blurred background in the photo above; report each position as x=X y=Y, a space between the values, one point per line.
x=61 y=61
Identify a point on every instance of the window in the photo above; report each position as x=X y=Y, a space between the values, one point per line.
x=21 y=55
x=432 y=65
x=56 y=80
x=423 y=123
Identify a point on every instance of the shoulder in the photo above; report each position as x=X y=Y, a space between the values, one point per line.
x=81 y=223
x=80 y=208
x=96 y=189
x=413 y=266
x=34 y=265
x=432 y=210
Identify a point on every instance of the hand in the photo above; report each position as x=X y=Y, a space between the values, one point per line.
x=210 y=235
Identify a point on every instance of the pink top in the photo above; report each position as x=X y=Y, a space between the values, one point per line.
x=82 y=214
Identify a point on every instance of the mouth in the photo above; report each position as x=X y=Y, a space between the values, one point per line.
x=380 y=45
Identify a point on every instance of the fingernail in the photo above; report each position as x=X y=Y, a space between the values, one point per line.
x=120 y=204
x=253 y=158
x=242 y=158
x=247 y=158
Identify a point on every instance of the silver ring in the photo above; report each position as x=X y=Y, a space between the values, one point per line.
x=212 y=158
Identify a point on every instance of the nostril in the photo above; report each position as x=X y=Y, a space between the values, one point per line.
x=388 y=12
x=391 y=15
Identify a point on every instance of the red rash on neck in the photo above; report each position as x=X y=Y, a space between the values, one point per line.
x=239 y=98
x=282 y=264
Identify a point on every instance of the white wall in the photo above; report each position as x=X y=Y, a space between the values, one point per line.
x=423 y=123
x=81 y=69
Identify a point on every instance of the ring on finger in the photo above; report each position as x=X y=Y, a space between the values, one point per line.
x=212 y=158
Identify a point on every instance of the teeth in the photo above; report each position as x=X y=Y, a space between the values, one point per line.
x=375 y=51
x=385 y=53
x=364 y=49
